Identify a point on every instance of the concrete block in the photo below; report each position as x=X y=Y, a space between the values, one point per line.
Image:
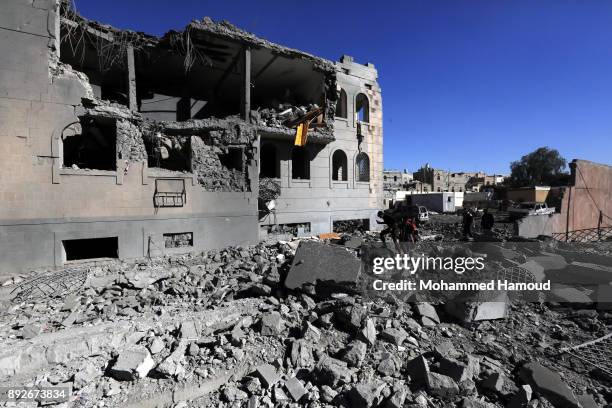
x=132 y=363
x=315 y=262
x=442 y=385
x=418 y=369
x=267 y=374
x=295 y=388
x=549 y=384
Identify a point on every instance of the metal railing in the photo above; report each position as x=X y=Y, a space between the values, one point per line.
x=585 y=235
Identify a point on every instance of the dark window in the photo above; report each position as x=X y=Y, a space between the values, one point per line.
x=232 y=158
x=91 y=248
x=362 y=163
x=168 y=152
x=362 y=108
x=269 y=163
x=300 y=164
x=95 y=148
x=339 y=166
x=178 y=240
x=341 y=109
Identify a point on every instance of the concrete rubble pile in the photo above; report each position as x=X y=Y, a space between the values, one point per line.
x=282 y=324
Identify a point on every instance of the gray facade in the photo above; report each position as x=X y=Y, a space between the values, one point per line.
x=200 y=150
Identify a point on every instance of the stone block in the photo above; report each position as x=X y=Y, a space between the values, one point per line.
x=315 y=262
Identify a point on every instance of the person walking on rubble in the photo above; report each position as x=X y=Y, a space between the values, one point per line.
x=468 y=219
x=487 y=221
x=392 y=228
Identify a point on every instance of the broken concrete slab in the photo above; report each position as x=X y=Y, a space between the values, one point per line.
x=355 y=353
x=30 y=331
x=267 y=374
x=494 y=307
x=418 y=369
x=521 y=398
x=140 y=279
x=458 y=370
x=131 y=364
x=368 y=332
x=548 y=384
x=330 y=371
x=295 y=388
x=494 y=382
x=394 y=336
x=316 y=262
x=272 y=324
x=442 y=385
x=425 y=309
x=363 y=395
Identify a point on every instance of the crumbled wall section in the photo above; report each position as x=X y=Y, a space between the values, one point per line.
x=211 y=173
x=130 y=145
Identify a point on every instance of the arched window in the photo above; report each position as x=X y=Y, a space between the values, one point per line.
x=339 y=166
x=300 y=164
x=394 y=178
x=362 y=108
x=269 y=163
x=341 y=105
x=362 y=163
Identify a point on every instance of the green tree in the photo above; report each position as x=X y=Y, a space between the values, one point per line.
x=544 y=166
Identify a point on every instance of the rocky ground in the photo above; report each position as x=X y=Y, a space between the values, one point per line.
x=231 y=328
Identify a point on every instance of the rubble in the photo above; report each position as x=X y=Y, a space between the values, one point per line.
x=192 y=328
x=548 y=384
x=315 y=262
x=131 y=364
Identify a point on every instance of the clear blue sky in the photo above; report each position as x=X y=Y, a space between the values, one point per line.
x=467 y=85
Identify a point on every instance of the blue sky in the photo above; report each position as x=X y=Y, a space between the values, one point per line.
x=467 y=85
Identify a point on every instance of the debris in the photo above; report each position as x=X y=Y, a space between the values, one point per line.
x=418 y=369
x=132 y=363
x=548 y=384
x=30 y=331
x=272 y=324
x=442 y=385
x=267 y=374
x=57 y=284
x=521 y=398
x=394 y=336
x=295 y=388
x=316 y=262
x=332 y=372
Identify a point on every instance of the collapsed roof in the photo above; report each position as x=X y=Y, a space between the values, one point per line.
x=202 y=63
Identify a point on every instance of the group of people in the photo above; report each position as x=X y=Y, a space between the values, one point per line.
x=400 y=227
x=405 y=228
x=486 y=222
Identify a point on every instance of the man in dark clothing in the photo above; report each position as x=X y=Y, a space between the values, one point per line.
x=392 y=227
x=487 y=221
x=468 y=219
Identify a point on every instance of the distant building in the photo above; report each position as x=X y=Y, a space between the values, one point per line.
x=537 y=194
x=443 y=202
x=443 y=180
x=394 y=180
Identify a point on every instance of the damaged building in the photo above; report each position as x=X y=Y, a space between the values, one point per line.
x=119 y=144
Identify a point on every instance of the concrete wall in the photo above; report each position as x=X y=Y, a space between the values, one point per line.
x=582 y=202
x=321 y=201
x=41 y=204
